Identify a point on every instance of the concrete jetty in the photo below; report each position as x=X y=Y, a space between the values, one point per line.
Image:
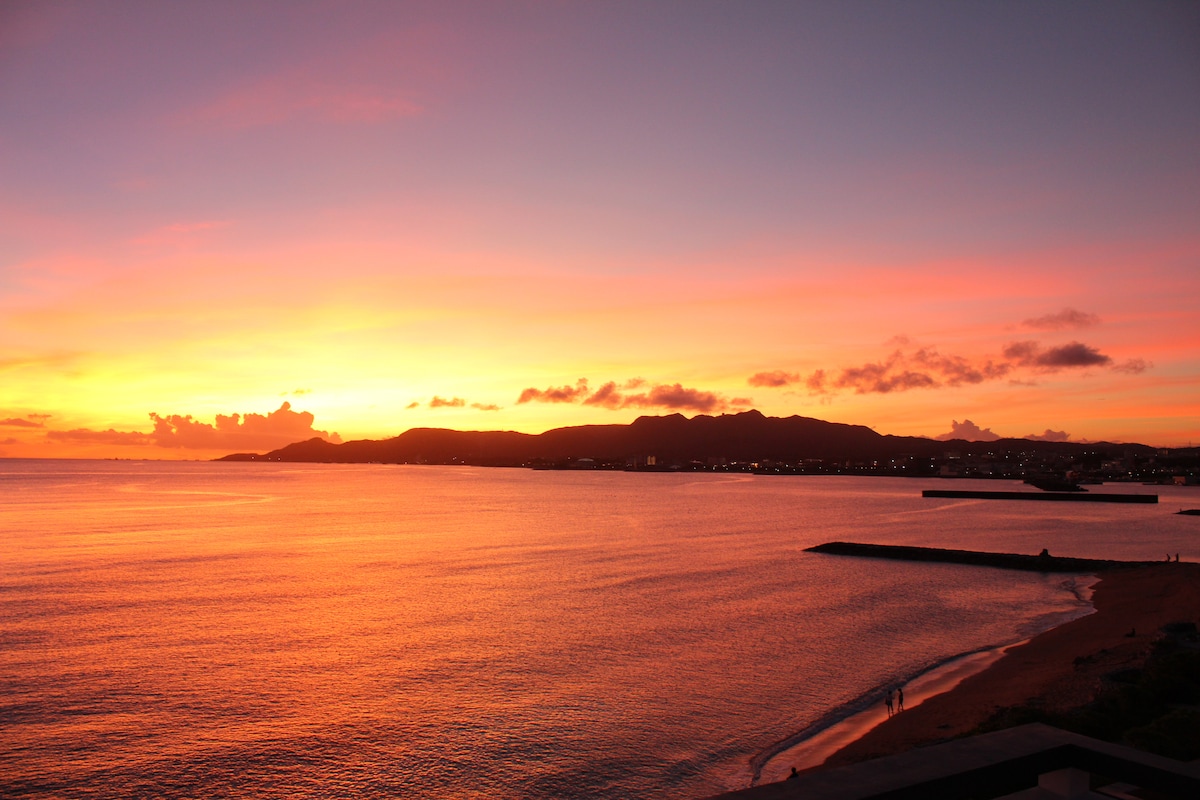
x=1076 y=497
x=1038 y=563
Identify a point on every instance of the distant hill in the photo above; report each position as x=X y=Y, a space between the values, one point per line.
x=748 y=436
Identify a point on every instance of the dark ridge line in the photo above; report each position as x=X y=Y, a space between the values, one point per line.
x=1089 y=497
x=1039 y=563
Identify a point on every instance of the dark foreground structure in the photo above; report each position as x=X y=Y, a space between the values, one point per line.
x=1030 y=762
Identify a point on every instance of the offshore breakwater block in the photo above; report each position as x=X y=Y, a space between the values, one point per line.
x=978 y=558
x=1069 y=497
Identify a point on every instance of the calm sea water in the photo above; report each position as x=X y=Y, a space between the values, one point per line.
x=216 y=630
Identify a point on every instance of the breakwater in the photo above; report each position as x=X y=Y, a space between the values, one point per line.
x=1079 y=497
x=1039 y=563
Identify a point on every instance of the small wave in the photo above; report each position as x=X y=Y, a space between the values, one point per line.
x=863 y=702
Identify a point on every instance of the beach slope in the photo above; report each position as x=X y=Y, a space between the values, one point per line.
x=1058 y=670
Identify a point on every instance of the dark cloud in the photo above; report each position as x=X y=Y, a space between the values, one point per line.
x=1022 y=352
x=1067 y=356
x=773 y=379
x=816 y=383
x=1067 y=318
x=1075 y=354
x=969 y=431
x=237 y=431
x=560 y=394
x=10 y=440
x=1049 y=436
x=21 y=423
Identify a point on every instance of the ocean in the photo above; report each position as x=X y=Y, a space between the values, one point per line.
x=186 y=629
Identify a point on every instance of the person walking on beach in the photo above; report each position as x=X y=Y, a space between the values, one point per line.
x=888 y=700
x=899 y=699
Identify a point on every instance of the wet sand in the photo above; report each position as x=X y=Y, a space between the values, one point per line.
x=812 y=751
x=1061 y=668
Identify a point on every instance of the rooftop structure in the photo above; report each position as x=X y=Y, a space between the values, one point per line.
x=1029 y=762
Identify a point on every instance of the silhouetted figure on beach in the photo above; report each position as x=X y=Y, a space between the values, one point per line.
x=1177 y=558
x=891 y=709
x=1044 y=554
x=899 y=699
x=794 y=774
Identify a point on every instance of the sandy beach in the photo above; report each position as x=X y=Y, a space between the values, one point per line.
x=1059 y=669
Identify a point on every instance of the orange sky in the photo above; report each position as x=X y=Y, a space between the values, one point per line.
x=226 y=228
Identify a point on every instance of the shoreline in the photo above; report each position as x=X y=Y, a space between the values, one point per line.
x=809 y=747
x=1059 y=669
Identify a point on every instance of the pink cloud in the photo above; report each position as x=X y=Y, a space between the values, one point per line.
x=883 y=377
x=607 y=396
x=671 y=396
x=1049 y=436
x=21 y=423
x=237 y=432
x=969 y=431
x=956 y=370
x=1067 y=318
x=611 y=396
x=773 y=379
x=1133 y=366
x=676 y=396
x=559 y=394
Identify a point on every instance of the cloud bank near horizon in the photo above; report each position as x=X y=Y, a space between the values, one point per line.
x=269 y=431
x=971 y=432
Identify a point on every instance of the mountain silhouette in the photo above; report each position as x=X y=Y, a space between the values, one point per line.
x=671 y=439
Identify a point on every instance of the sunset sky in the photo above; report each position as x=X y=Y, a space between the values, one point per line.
x=226 y=226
